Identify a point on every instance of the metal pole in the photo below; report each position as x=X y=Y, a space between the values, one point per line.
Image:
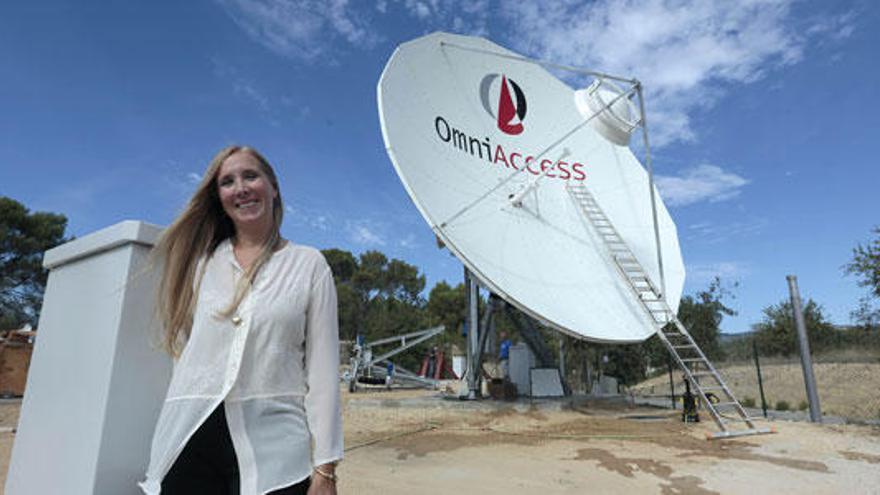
x=671 y=383
x=806 y=358
x=562 y=355
x=562 y=377
x=473 y=338
x=760 y=380
x=650 y=165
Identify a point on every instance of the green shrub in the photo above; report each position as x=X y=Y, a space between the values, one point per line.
x=782 y=405
x=748 y=402
x=803 y=406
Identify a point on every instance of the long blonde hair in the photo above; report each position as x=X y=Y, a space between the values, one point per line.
x=194 y=236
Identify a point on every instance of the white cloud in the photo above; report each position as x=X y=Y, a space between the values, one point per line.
x=364 y=235
x=726 y=270
x=713 y=233
x=419 y=9
x=309 y=29
x=194 y=178
x=241 y=85
x=457 y=16
x=837 y=27
x=252 y=93
x=408 y=242
x=320 y=222
x=300 y=29
x=685 y=51
x=700 y=183
x=302 y=217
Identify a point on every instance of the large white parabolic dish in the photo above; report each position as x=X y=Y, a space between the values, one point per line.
x=458 y=121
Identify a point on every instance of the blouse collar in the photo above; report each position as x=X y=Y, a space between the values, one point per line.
x=225 y=249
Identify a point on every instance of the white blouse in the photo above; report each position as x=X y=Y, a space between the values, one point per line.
x=274 y=365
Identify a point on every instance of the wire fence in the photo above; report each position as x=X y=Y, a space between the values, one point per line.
x=847 y=382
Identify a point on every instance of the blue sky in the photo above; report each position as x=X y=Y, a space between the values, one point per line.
x=764 y=114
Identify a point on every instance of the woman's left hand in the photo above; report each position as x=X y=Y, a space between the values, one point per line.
x=321 y=486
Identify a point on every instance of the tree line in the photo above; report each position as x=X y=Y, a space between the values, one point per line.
x=381 y=297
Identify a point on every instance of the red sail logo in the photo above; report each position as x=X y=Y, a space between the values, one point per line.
x=511 y=107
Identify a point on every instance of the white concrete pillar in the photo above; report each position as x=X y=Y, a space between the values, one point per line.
x=96 y=380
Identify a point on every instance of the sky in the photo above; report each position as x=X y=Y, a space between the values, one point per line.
x=763 y=115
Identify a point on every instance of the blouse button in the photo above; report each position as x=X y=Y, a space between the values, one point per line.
x=236 y=320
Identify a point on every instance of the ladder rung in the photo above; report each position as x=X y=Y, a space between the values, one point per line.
x=683 y=346
x=725 y=404
x=693 y=360
x=732 y=434
x=746 y=419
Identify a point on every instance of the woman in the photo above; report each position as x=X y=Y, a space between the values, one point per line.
x=250 y=319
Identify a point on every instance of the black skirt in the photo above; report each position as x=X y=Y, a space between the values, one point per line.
x=208 y=464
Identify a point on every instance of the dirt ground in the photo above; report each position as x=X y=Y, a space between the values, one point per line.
x=413 y=442
x=404 y=442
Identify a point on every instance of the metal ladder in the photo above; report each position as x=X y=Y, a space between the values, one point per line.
x=727 y=412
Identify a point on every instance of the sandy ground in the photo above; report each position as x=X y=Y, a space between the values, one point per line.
x=410 y=444
x=404 y=442
x=849 y=390
x=8 y=420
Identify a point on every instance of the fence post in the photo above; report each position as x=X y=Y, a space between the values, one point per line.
x=760 y=381
x=806 y=358
x=473 y=337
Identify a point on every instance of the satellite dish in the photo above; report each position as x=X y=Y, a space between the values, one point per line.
x=470 y=125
